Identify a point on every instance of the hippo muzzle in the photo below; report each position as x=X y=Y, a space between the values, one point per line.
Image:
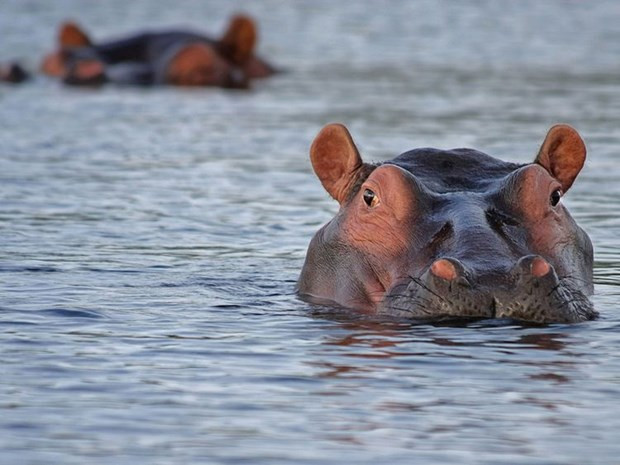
x=531 y=291
x=436 y=234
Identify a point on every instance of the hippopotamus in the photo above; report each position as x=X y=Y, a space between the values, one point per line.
x=444 y=234
x=13 y=73
x=176 y=57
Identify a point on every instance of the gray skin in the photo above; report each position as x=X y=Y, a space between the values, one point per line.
x=435 y=234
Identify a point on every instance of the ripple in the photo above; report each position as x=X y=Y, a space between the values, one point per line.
x=71 y=313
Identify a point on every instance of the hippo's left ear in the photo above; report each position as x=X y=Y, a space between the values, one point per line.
x=562 y=154
x=71 y=35
x=336 y=161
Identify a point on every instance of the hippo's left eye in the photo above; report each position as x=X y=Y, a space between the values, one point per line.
x=555 y=197
x=370 y=198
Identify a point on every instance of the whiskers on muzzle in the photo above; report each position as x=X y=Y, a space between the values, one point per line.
x=537 y=297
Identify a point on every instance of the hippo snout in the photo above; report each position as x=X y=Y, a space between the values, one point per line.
x=530 y=291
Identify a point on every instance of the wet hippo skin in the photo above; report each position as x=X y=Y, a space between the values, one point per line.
x=177 y=57
x=13 y=73
x=435 y=234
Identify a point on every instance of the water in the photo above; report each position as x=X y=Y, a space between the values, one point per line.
x=151 y=240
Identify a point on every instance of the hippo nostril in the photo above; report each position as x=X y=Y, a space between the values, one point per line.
x=539 y=267
x=445 y=269
x=533 y=265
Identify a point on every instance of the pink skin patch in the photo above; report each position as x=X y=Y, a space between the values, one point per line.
x=54 y=65
x=443 y=268
x=89 y=69
x=540 y=267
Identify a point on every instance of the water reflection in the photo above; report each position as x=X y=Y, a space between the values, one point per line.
x=370 y=346
x=427 y=379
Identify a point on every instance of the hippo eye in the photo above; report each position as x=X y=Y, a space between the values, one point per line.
x=555 y=197
x=370 y=198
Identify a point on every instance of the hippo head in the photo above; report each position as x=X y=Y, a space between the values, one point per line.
x=222 y=63
x=435 y=234
x=70 y=36
x=199 y=64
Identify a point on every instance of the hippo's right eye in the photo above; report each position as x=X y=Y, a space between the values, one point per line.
x=370 y=198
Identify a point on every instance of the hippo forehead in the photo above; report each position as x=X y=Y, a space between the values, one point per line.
x=454 y=170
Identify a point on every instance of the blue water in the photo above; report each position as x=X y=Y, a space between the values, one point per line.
x=151 y=240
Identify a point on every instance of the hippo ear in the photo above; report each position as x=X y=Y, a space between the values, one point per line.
x=562 y=154
x=72 y=35
x=238 y=42
x=335 y=160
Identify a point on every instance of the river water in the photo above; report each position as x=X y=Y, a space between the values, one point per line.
x=151 y=240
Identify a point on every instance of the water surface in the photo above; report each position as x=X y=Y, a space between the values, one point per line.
x=151 y=240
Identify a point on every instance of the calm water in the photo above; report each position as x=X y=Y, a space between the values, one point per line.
x=151 y=240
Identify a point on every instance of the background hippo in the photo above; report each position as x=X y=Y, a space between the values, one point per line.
x=13 y=73
x=451 y=233
x=177 y=57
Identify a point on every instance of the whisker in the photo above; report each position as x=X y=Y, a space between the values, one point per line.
x=419 y=282
x=574 y=278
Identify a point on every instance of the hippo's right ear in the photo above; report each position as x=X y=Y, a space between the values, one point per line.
x=335 y=160
x=238 y=42
x=562 y=154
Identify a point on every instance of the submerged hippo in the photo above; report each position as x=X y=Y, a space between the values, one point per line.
x=175 y=57
x=13 y=73
x=451 y=233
